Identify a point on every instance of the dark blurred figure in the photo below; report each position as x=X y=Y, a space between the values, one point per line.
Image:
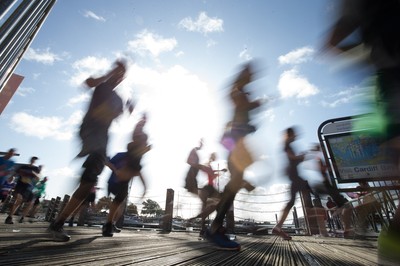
x=38 y=192
x=239 y=158
x=297 y=183
x=194 y=167
x=325 y=188
x=378 y=23
x=6 y=190
x=6 y=165
x=125 y=166
x=28 y=177
x=208 y=194
x=105 y=106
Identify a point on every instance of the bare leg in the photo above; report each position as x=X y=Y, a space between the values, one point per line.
x=75 y=202
x=115 y=211
x=17 y=203
x=27 y=209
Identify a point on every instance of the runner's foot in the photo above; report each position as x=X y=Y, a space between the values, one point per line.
x=9 y=220
x=221 y=240
x=115 y=229
x=279 y=232
x=107 y=230
x=57 y=232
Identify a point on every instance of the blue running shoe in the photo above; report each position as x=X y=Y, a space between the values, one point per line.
x=221 y=240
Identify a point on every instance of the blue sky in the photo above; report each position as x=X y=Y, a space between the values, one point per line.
x=182 y=56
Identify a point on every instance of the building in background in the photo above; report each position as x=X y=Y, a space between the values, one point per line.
x=20 y=21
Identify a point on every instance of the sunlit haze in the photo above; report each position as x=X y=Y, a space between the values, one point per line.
x=182 y=57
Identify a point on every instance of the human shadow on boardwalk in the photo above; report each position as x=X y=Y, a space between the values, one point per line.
x=43 y=238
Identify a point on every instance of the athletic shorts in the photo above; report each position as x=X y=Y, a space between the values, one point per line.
x=25 y=190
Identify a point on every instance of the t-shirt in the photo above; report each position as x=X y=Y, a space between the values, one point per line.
x=6 y=165
x=105 y=105
x=7 y=187
x=39 y=189
x=28 y=174
x=193 y=158
x=119 y=160
x=292 y=163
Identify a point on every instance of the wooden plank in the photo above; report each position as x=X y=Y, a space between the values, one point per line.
x=27 y=243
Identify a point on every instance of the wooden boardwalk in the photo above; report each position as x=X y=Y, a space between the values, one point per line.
x=28 y=244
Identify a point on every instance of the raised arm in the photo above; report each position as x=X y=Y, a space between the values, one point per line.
x=144 y=183
x=120 y=67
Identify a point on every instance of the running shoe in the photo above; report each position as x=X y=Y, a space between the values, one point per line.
x=201 y=233
x=221 y=240
x=107 y=230
x=57 y=232
x=9 y=220
x=115 y=229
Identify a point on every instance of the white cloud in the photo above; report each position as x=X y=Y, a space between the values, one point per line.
x=45 y=127
x=297 y=56
x=83 y=97
x=292 y=84
x=64 y=171
x=67 y=176
x=87 y=67
x=24 y=91
x=36 y=76
x=211 y=43
x=147 y=42
x=42 y=56
x=269 y=115
x=344 y=96
x=245 y=55
x=179 y=54
x=203 y=24
x=91 y=14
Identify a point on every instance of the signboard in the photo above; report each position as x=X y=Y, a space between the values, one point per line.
x=359 y=156
x=355 y=155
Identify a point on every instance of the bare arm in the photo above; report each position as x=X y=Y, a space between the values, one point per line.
x=292 y=156
x=144 y=183
x=241 y=102
x=110 y=165
x=347 y=22
x=94 y=82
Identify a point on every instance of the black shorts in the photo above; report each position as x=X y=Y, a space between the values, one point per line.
x=117 y=188
x=91 y=197
x=93 y=166
x=37 y=202
x=191 y=180
x=25 y=190
x=207 y=192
